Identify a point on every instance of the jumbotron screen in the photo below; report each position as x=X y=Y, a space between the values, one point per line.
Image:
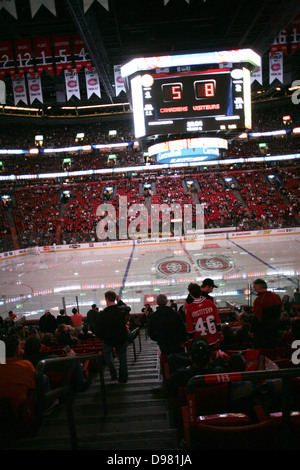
x=201 y=93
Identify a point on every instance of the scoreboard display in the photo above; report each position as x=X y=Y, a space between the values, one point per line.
x=203 y=93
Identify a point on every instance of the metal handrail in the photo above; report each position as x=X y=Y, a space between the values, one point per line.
x=63 y=365
x=212 y=379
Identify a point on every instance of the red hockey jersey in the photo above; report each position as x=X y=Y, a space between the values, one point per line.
x=202 y=319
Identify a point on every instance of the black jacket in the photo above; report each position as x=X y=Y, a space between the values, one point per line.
x=111 y=324
x=165 y=326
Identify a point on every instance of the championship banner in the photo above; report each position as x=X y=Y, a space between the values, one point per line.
x=7 y=62
x=119 y=80
x=72 y=84
x=92 y=83
x=62 y=54
x=43 y=55
x=280 y=43
x=24 y=57
x=276 y=67
x=256 y=75
x=19 y=90
x=10 y=6
x=36 y=4
x=295 y=35
x=88 y=3
x=82 y=58
x=35 y=89
x=167 y=1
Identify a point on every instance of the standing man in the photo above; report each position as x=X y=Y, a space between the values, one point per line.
x=207 y=287
x=111 y=327
x=202 y=318
x=267 y=309
x=166 y=327
x=47 y=323
x=267 y=303
x=91 y=317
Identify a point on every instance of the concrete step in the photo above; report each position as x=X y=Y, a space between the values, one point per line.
x=137 y=413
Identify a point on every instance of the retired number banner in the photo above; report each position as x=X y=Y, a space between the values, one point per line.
x=7 y=63
x=43 y=55
x=62 y=53
x=81 y=56
x=24 y=57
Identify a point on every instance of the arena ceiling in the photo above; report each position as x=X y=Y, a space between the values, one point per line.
x=115 y=31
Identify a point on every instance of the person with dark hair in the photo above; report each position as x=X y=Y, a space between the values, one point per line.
x=267 y=308
x=207 y=287
x=111 y=327
x=267 y=303
x=77 y=321
x=17 y=375
x=35 y=352
x=147 y=311
x=11 y=317
x=47 y=323
x=203 y=361
x=292 y=335
x=63 y=318
x=202 y=318
x=166 y=327
x=64 y=336
x=91 y=317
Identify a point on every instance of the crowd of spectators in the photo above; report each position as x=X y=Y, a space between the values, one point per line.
x=37 y=215
x=251 y=201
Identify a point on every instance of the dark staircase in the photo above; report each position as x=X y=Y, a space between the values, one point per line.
x=137 y=412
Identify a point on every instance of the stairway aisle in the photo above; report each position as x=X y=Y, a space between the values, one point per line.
x=137 y=416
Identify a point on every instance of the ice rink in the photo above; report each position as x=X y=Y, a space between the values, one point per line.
x=80 y=275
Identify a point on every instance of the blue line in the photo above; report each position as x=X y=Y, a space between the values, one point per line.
x=127 y=270
x=259 y=259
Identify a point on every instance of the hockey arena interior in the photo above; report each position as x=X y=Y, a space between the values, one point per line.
x=149 y=236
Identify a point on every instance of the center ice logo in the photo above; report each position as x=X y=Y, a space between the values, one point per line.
x=170 y=267
x=215 y=263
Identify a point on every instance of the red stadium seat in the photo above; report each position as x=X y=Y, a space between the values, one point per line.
x=224 y=419
x=259 y=436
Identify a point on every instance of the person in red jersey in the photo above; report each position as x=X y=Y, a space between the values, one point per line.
x=267 y=303
x=202 y=318
x=266 y=308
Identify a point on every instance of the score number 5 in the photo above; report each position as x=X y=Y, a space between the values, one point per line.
x=172 y=91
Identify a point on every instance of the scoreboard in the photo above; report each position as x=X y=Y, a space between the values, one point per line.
x=202 y=93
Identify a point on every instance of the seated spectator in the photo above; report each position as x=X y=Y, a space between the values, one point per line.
x=284 y=323
x=35 y=351
x=47 y=323
x=11 y=317
x=292 y=335
x=77 y=320
x=63 y=318
x=64 y=336
x=17 y=375
x=229 y=336
x=166 y=327
x=244 y=335
x=203 y=361
x=85 y=333
x=267 y=393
